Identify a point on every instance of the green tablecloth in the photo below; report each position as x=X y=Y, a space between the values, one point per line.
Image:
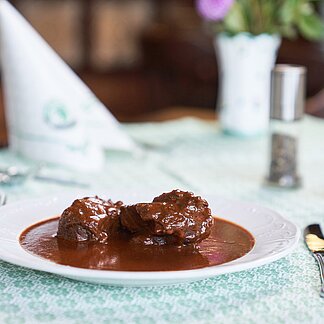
x=188 y=154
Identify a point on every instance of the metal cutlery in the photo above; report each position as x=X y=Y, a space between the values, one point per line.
x=15 y=176
x=314 y=240
x=3 y=199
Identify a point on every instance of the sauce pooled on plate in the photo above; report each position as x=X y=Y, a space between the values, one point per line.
x=174 y=232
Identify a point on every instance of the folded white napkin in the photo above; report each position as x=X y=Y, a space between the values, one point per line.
x=52 y=115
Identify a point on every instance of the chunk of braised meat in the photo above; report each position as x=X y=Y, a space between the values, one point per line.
x=90 y=219
x=177 y=217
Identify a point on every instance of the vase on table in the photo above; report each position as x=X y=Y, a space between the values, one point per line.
x=245 y=63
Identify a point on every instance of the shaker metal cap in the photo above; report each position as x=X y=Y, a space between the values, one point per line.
x=287 y=99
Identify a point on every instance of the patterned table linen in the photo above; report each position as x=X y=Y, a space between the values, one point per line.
x=194 y=155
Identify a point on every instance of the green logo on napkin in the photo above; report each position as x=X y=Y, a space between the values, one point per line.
x=57 y=115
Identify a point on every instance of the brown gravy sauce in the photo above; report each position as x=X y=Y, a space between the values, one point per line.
x=226 y=242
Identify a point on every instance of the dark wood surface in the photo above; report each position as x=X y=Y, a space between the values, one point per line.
x=178 y=64
x=180 y=69
x=3 y=133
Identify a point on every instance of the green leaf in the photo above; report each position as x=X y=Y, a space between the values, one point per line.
x=306 y=8
x=269 y=17
x=311 y=27
x=234 y=22
x=288 y=10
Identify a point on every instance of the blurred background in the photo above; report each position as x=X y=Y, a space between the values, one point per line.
x=148 y=60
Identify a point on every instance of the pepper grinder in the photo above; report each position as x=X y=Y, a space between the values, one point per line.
x=287 y=103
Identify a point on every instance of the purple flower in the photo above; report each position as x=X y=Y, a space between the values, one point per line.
x=213 y=9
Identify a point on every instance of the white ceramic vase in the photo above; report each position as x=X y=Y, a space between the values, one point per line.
x=245 y=62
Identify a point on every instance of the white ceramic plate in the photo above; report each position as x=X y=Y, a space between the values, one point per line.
x=275 y=237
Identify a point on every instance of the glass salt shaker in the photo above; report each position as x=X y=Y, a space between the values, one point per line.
x=287 y=110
